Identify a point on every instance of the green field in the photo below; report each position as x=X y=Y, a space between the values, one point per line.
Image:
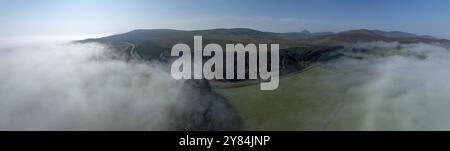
x=307 y=100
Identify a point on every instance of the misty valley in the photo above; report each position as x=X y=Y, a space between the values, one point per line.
x=352 y=80
x=225 y=74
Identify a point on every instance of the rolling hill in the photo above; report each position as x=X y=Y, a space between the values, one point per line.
x=298 y=49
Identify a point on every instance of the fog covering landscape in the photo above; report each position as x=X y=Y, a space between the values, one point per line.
x=90 y=86
x=403 y=93
x=75 y=86
x=80 y=87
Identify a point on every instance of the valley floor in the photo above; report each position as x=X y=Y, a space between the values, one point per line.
x=304 y=101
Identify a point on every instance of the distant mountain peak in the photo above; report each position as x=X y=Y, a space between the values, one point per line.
x=387 y=34
x=144 y=30
x=305 y=32
x=359 y=31
x=234 y=30
x=168 y=37
x=394 y=34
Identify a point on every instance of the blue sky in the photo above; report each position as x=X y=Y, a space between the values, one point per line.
x=34 y=17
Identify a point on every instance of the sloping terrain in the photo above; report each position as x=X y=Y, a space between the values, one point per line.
x=318 y=90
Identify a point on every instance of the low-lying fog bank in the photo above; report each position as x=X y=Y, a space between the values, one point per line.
x=78 y=87
x=398 y=92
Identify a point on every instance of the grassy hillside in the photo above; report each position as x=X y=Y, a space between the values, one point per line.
x=303 y=101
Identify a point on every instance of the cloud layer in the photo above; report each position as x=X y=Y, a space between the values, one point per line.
x=76 y=87
x=397 y=92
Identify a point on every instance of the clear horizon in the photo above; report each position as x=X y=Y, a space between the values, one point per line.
x=105 y=17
